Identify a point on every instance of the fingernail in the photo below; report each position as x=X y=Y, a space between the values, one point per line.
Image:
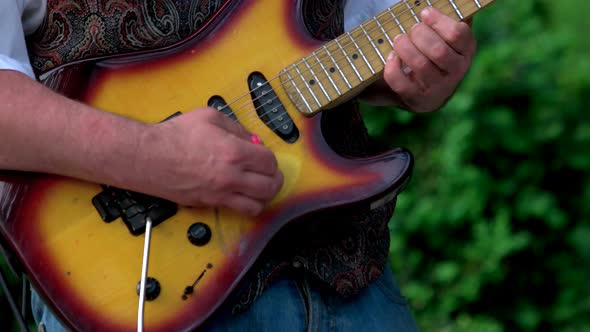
x=255 y=139
x=391 y=56
x=426 y=12
x=406 y=70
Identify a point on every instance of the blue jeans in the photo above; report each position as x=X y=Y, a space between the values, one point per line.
x=298 y=304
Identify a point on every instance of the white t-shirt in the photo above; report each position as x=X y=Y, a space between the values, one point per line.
x=21 y=17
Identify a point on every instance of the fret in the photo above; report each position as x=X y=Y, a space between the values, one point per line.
x=361 y=53
x=412 y=11
x=401 y=27
x=327 y=74
x=456 y=9
x=338 y=67
x=348 y=59
x=383 y=30
x=429 y=3
x=315 y=98
x=298 y=91
x=372 y=43
x=317 y=80
x=477 y=3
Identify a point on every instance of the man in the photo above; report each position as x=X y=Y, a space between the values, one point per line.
x=428 y=64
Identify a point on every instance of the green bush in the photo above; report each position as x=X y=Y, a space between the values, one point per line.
x=493 y=232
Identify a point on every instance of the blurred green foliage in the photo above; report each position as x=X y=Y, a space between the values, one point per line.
x=493 y=232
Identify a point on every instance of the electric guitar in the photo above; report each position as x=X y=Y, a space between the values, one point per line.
x=81 y=243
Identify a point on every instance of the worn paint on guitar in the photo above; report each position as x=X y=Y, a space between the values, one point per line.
x=88 y=269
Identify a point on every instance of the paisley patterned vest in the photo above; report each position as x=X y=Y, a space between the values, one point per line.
x=348 y=252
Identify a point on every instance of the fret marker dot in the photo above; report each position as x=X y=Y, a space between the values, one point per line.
x=312 y=82
x=417 y=3
x=380 y=40
x=355 y=56
x=332 y=70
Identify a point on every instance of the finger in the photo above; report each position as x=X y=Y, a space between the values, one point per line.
x=399 y=82
x=259 y=187
x=243 y=204
x=423 y=69
x=256 y=157
x=457 y=35
x=224 y=122
x=430 y=44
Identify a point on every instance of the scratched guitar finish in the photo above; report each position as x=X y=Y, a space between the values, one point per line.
x=88 y=269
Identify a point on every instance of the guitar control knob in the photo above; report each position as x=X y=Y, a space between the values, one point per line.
x=152 y=288
x=199 y=234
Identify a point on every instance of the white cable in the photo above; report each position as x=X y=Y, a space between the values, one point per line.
x=144 y=267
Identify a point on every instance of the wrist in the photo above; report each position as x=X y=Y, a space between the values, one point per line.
x=380 y=94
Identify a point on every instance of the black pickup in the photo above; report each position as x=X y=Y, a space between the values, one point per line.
x=270 y=109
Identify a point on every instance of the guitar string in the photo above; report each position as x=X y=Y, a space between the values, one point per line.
x=248 y=117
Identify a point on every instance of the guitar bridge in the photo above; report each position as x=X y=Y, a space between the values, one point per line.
x=134 y=208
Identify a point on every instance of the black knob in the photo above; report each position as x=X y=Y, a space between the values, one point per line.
x=199 y=234
x=152 y=288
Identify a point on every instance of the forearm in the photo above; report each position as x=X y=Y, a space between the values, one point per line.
x=45 y=132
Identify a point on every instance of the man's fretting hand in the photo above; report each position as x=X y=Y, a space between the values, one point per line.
x=427 y=64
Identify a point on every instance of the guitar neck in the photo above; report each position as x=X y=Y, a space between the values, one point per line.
x=344 y=66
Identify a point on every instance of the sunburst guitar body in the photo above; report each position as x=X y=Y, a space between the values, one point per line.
x=88 y=269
